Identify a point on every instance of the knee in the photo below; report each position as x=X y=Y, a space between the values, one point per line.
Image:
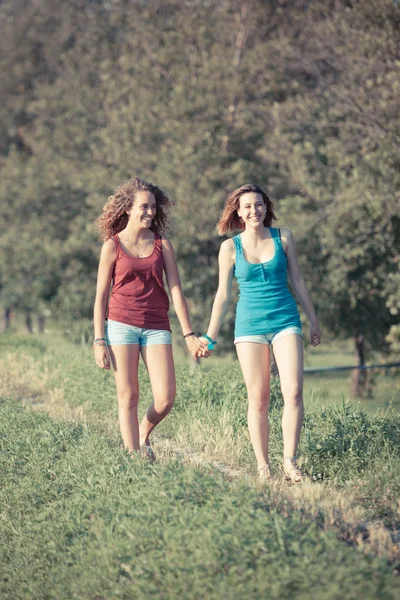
x=293 y=395
x=165 y=403
x=258 y=401
x=128 y=399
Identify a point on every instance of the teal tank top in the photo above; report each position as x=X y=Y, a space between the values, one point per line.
x=265 y=303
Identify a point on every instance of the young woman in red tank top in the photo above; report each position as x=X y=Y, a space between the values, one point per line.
x=133 y=259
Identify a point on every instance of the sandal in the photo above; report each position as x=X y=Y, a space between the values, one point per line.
x=147 y=453
x=264 y=474
x=294 y=474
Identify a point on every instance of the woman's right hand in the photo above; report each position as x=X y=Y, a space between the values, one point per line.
x=196 y=347
x=315 y=333
x=102 y=357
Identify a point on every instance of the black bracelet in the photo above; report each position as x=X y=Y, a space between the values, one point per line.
x=189 y=334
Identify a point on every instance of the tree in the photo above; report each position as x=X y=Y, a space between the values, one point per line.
x=201 y=97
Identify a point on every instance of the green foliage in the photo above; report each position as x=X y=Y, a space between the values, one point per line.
x=81 y=518
x=340 y=441
x=13 y=343
x=187 y=94
x=393 y=339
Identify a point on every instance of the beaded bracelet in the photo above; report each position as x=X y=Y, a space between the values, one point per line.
x=212 y=343
x=189 y=334
x=99 y=342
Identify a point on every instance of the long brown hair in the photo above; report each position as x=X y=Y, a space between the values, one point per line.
x=114 y=217
x=230 y=220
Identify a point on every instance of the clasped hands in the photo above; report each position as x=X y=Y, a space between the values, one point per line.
x=198 y=347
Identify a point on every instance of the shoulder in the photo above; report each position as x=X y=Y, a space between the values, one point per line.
x=286 y=233
x=228 y=246
x=109 y=248
x=166 y=244
x=108 y=254
x=168 y=252
x=288 y=243
x=227 y=251
x=287 y=237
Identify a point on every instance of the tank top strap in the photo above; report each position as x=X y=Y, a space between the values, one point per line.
x=238 y=248
x=238 y=244
x=158 y=244
x=115 y=239
x=276 y=235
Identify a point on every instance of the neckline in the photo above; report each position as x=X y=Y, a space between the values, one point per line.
x=137 y=257
x=260 y=263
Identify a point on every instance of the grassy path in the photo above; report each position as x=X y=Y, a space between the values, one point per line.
x=81 y=519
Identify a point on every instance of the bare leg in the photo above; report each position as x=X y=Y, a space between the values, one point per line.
x=125 y=361
x=288 y=353
x=160 y=365
x=254 y=361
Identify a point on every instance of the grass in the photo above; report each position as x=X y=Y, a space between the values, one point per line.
x=330 y=388
x=383 y=388
x=82 y=519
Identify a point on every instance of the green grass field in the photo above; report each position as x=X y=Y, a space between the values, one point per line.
x=383 y=385
x=82 y=519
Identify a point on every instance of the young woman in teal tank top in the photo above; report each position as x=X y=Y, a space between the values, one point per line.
x=266 y=315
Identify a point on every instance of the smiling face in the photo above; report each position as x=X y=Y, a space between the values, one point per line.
x=252 y=209
x=143 y=210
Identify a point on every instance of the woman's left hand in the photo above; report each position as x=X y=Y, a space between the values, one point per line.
x=196 y=347
x=315 y=333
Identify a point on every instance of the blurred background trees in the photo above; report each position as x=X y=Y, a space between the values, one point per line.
x=201 y=97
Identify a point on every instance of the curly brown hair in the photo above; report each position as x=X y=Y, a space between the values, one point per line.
x=230 y=220
x=114 y=217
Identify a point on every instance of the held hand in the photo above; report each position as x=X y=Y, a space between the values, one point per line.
x=204 y=347
x=102 y=357
x=196 y=347
x=315 y=333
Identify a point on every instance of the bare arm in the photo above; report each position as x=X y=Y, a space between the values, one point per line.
x=104 y=275
x=226 y=261
x=178 y=299
x=299 y=285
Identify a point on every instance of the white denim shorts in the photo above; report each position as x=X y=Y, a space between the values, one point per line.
x=120 y=334
x=269 y=338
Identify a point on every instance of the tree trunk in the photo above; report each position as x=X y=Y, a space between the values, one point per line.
x=28 y=322
x=241 y=39
x=6 y=319
x=359 y=376
x=41 y=321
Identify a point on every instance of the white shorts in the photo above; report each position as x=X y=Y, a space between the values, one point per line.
x=269 y=338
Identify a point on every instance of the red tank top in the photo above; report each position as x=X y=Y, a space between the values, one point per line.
x=138 y=296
